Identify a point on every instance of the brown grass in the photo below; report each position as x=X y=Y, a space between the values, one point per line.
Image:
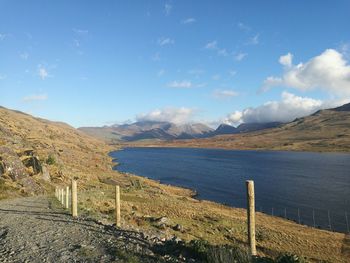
x=78 y=155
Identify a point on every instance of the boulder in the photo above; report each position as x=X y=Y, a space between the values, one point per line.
x=46 y=174
x=12 y=164
x=178 y=227
x=30 y=186
x=33 y=162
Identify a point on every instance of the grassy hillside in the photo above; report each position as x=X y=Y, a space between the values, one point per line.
x=324 y=131
x=61 y=150
x=36 y=155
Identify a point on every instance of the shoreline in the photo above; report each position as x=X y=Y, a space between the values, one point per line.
x=230 y=149
x=196 y=195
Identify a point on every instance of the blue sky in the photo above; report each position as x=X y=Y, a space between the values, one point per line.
x=93 y=63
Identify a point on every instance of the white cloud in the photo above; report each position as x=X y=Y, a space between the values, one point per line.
x=224 y=94
x=174 y=115
x=254 y=40
x=167 y=8
x=185 y=84
x=189 y=20
x=286 y=60
x=162 y=41
x=223 y=52
x=24 y=55
x=344 y=48
x=35 y=97
x=42 y=72
x=270 y=82
x=211 y=45
x=328 y=71
x=234 y=118
x=80 y=31
x=289 y=108
x=240 y=56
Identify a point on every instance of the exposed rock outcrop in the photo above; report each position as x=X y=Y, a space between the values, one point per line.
x=14 y=168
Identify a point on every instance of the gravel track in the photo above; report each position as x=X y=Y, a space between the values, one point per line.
x=37 y=229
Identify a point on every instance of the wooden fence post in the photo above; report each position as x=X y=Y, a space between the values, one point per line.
x=251 y=216
x=117 y=205
x=74 y=199
x=62 y=197
x=67 y=197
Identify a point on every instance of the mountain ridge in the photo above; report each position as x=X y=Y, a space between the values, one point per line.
x=153 y=130
x=25 y=140
x=323 y=131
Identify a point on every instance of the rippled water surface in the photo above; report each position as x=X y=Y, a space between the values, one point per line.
x=310 y=188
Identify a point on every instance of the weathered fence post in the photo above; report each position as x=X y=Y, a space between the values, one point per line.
x=62 y=196
x=74 y=199
x=67 y=197
x=251 y=216
x=70 y=197
x=117 y=205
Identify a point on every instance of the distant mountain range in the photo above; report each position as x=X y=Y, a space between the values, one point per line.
x=324 y=131
x=165 y=131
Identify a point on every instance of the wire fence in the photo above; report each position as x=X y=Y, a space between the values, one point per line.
x=318 y=218
x=338 y=221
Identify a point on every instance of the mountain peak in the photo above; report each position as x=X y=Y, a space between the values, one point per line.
x=345 y=107
x=225 y=129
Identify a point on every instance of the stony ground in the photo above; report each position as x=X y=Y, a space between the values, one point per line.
x=36 y=229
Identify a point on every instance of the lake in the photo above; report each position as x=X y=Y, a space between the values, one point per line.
x=309 y=188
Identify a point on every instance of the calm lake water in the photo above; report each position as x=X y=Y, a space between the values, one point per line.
x=310 y=188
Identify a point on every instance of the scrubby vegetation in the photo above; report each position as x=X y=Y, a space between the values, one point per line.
x=50 y=160
x=144 y=201
x=203 y=251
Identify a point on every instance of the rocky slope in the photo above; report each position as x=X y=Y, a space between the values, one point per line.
x=36 y=154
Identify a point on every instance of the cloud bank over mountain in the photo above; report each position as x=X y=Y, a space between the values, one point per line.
x=174 y=115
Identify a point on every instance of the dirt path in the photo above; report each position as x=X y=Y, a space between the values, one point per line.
x=36 y=229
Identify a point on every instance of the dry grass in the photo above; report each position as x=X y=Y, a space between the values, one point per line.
x=78 y=155
x=210 y=221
